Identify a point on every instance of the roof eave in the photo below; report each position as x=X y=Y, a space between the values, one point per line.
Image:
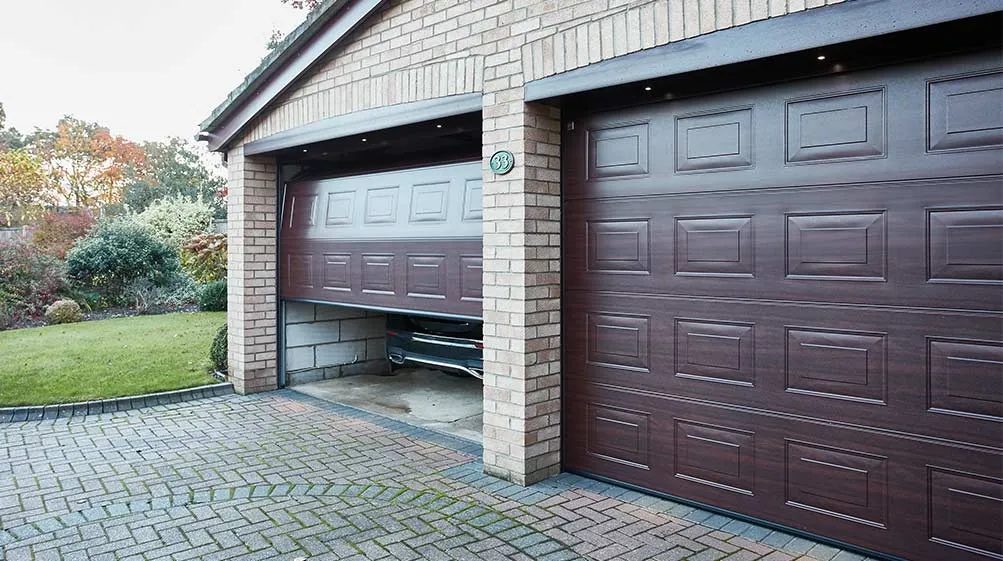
x=323 y=29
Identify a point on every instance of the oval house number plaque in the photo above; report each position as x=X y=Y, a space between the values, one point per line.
x=501 y=162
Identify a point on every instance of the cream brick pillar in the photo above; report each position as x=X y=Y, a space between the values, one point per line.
x=522 y=380
x=253 y=295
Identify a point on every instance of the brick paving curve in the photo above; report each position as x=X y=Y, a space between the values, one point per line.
x=288 y=477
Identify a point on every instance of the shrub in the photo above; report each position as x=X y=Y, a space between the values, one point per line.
x=217 y=352
x=204 y=257
x=119 y=252
x=29 y=280
x=177 y=292
x=56 y=233
x=63 y=311
x=177 y=220
x=212 y=298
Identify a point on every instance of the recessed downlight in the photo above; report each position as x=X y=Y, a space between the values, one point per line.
x=438 y=126
x=304 y=150
x=647 y=88
x=363 y=140
x=820 y=57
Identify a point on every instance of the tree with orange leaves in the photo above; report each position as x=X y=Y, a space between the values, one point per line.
x=89 y=166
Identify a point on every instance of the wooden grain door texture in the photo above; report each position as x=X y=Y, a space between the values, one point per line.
x=406 y=240
x=786 y=302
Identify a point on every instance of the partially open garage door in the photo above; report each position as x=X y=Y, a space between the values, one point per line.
x=407 y=240
x=785 y=302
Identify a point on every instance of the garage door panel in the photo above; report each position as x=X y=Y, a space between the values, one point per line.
x=858 y=486
x=434 y=275
x=900 y=244
x=932 y=373
x=785 y=302
x=406 y=240
x=876 y=125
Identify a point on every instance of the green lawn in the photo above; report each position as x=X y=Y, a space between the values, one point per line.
x=106 y=358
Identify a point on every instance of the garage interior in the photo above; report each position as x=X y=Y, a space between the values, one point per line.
x=370 y=226
x=780 y=288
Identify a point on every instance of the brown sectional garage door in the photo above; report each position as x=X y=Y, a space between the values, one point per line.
x=786 y=302
x=405 y=240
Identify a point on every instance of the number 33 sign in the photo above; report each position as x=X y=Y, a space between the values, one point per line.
x=501 y=162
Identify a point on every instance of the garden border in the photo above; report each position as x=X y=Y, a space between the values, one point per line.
x=27 y=413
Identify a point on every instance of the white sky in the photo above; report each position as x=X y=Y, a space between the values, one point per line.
x=147 y=69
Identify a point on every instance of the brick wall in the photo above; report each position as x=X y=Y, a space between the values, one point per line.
x=421 y=49
x=251 y=272
x=323 y=342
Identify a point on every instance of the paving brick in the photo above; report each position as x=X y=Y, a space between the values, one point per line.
x=281 y=475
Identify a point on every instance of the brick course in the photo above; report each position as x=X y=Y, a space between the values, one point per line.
x=414 y=50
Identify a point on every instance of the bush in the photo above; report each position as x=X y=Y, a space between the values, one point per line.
x=176 y=220
x=29 y=280
x=56 y=233
x=117 y=253
x=176 y=293
x=212 y=298
x=217 y=352
x=63 y=311
x=204 y=257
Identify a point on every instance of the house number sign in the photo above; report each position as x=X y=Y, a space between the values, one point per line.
x=501 y=162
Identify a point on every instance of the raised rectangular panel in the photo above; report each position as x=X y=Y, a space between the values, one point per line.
x=381 y=205
x=964 y=245
x=714 y=246
x=965 y=377
x=618 y=341
x=426 y=276
x=618 y=435
x=338 y=272
x=837 y=364
x=618 y=151
x=618 y=246
x=721 y=457
x=847 y=484
x=473 y=191
x=716 y=141
x=378 y=273
x=302 y=212
x=471 y=273
x=965 y=112
x=340 y=208
x=966 y=511
x=429 y=202
x=837 y=246
x=842 y=126
x=300 y=270
x=711 y=351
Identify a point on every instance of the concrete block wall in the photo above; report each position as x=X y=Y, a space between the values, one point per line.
x=412 y=50
x=326 y=341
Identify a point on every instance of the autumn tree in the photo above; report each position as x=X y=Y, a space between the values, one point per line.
x=177 y=168
x=10 y=139
x=89 y=165
x=24 y=187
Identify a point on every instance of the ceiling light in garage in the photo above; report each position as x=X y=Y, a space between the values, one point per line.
x=363 y=140
x=438 y=126
x=304 y=150
x=647 y=88
x=820 y=57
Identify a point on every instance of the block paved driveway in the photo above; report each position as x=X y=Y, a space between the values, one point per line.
x=285 y=476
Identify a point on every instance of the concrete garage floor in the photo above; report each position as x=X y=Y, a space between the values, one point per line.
x=418 y=396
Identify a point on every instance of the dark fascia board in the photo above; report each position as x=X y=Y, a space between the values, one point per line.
x=367 y=121
x=336 y=21
x=810 y=29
